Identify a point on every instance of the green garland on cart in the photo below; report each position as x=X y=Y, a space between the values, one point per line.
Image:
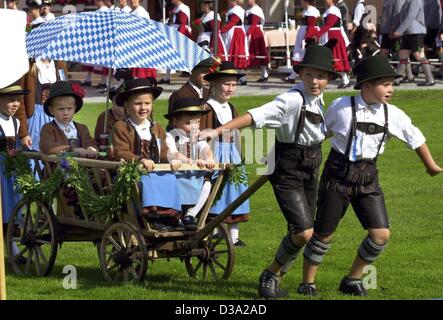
x=69 y=173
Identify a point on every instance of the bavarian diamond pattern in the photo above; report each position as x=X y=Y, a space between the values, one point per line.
x=114 y=40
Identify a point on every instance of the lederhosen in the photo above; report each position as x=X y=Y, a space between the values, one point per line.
x=356 y=182
x=7 y=143
x=295 y=177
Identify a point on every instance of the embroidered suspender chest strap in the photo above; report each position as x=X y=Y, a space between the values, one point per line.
x=301 y=118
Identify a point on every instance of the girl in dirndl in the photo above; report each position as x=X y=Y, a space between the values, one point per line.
x=255 y=19
x=333 y=30
x=234 y=35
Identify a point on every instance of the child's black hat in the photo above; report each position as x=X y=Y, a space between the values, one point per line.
x=133 y=86
x=13 y=90
x=188 y=105
x=61 y=89
x=372 y=68
x=317 y=57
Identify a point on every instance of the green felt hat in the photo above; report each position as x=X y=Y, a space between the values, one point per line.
x=372 y=68
x=317 y=57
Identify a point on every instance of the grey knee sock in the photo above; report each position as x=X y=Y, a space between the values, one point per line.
x=426 y=67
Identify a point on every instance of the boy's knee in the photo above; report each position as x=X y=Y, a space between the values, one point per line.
x=380 y=236
x=302 y=238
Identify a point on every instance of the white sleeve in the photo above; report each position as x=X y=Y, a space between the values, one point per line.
x=358 y=13
x=331 y=116
x=171 y=144
x=400 y=126
x=278 y=112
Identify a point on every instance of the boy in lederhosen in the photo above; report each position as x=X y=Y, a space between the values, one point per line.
x=360 y=126
x=297 y=118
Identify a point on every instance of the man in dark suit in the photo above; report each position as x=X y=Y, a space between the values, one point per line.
x=195 y=87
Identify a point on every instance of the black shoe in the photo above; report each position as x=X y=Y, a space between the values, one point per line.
x=343 y=86
x=86 y=83
x=268 y=286
x=353 y=287
x=163 y=81
x=101 y=86
x=263 y=79
x=190 y=223
x=426 y=84
x=307 y=289
x=289 y=80
x=179 y=226
x=161 y=227
x=242 y=82
x=239 y=243
x=407 y=80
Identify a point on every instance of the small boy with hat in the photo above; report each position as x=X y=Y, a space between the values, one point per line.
x=360 y=126
x=183 y=144
x=64 y=134
x=10 y=98
x=297 y=118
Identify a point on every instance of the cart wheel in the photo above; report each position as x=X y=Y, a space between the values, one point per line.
x=123 y=255
x=218 y=260
x=32 y=228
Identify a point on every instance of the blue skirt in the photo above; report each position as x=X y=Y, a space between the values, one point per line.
x=10 y=198
x=35 y=124
x=160 y=189
x=227 y=153
x=189 y=184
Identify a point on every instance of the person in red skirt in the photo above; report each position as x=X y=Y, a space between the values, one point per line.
x=234 y=35
x=255 y=19
x=306 y=34
x=179 y=18
x=207 y=22
x=333 y=30
x=139 y=11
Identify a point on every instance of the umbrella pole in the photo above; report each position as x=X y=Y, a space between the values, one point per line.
x=2 y=254
x=107 y=99
x=164 y=11
x=216 y=28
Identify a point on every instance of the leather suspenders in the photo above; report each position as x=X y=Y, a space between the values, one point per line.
x=369 y=128
x=313 y=117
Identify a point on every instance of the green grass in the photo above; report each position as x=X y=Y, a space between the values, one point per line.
x=410 y=268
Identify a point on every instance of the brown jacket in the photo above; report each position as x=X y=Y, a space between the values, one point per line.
x=53 y=139
x=126 y=143
x=101 y=123
x=29 y=82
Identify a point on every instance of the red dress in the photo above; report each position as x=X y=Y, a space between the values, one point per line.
x=181 y=22
x=257 y=43
x=235 y=38
x=208 y=22
x=332 y=29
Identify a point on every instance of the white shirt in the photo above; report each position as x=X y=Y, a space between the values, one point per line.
x=50 y=16
x=182 y=144
x=103 y=8
x=7 y=124
x=143 y=129
x=358 y=13
x=38 y=21
x=338 y=121
x=197 y=89
x=223 y=111
x=283 y=113
x=69 y=129
x=140 y=12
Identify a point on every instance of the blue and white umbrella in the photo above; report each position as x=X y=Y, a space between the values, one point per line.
x=111 y=39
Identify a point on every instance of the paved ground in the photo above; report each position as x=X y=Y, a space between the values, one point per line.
x=274 y=86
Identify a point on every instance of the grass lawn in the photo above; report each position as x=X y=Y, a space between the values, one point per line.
x=410 y=267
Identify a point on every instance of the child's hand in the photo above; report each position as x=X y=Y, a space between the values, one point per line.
x=208 y=133
x=210 y=164
x=175 y=164
x=201 y=163
x=91 y=153
x=433 y=171
x=148 y=164
x=81 y=152
x=26 y=141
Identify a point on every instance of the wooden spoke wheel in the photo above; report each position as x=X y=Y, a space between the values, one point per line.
x=32 y=239
x=123 y=255
x=218 y=258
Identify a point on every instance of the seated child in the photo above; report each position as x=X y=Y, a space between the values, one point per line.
x=9 y=125
x=114 y=114
x=64 y=134
x=183 y=144
x=139 y=138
